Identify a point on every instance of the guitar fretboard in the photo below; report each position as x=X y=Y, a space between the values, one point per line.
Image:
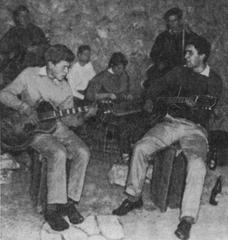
x=61 y=113
x=205 y=102
x=174 y=99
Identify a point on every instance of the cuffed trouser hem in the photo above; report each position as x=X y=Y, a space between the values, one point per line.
x=57 y=201
x=132 y=193
x=76 y=199
x=188 y=217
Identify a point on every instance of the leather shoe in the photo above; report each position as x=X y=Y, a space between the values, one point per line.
x=74 y=216
x=56 y=221
x=127 y=206
x=183 y=229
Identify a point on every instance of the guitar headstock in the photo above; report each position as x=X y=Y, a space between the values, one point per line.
x=206 y=102
x=106 y=106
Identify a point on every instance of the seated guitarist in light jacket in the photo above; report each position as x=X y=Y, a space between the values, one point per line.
x=188 y=127
x=48 y=83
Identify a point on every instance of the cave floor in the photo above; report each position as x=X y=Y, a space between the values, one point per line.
x=20 y=220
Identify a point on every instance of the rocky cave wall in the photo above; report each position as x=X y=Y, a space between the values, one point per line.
x=129 y=26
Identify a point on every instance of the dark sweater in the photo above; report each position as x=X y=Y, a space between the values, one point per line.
x=106 y=82
x=168 y=48
x=182 y=81
x=13 y=48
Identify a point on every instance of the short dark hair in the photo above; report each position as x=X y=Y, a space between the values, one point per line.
x=17 y=11
x=117 y=58
x=201 y=45
x=173 y=11
x=83 y=48
x=57 y=53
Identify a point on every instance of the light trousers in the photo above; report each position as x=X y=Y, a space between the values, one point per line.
x=193 y=141
x=57 y=148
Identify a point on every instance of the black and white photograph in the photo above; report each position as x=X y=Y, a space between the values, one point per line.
x=113 y=120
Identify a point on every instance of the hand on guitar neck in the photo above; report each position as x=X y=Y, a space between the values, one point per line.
x=191 y=102
x=92 y=110
x=148 y=106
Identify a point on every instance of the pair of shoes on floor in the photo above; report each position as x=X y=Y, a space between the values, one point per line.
x=127 y=206
x=57 y=222
x=183 y=229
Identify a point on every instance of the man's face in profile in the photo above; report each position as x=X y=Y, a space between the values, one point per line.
x=193 y=58
x=59 y=70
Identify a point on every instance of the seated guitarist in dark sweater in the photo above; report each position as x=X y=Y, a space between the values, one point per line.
x=36 y=84
x=187 y=127
x=113 y=83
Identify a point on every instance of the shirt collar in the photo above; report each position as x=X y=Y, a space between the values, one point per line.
x=110 y=70
x=206 y=71
x=43 y=71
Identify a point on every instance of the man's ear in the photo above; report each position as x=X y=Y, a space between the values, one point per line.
x=50 y=64
x=202 y=56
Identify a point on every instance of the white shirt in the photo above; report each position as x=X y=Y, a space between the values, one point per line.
x=79 y=77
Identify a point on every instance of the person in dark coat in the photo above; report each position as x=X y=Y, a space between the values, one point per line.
x=22 y=46
x=168 y=49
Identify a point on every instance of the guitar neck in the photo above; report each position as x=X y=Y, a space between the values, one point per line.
x=61 y=113
x=174 y=99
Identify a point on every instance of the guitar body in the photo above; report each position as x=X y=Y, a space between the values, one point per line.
x=159 y=110
x=173 y=105
x=45 y=126
x=17 y=133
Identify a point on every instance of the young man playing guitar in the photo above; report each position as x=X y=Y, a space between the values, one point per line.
x=48 y=83
x=187 y=124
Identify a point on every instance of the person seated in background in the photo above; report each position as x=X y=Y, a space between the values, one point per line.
x=22 y=46
x=113 y=83
x=186 y=124
x=81 y=72
x=168 y=49
x=48 y=83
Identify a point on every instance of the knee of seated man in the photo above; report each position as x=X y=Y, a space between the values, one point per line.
x=84 y=153
x=140 y=148
x=196 y=164
x=60 y=154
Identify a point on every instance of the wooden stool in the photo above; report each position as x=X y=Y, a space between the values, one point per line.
x=111 y=142
x=168 y=179
x=38 y=187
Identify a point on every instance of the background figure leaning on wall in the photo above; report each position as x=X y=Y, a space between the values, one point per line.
x=22 y=46
x=168 y=49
